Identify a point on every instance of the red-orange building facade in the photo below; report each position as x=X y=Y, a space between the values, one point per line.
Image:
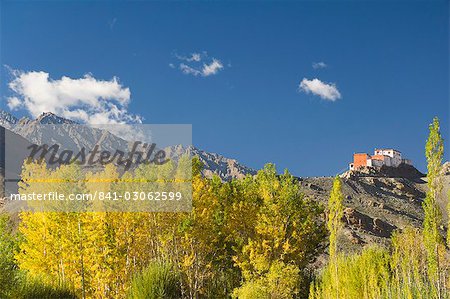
x=360 y=160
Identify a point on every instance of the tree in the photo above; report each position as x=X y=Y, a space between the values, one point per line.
x=434 y=151
x=287 y=228
x=334 y=224
x=99 y=253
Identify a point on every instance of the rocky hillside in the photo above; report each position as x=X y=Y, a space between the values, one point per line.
x=377 y=202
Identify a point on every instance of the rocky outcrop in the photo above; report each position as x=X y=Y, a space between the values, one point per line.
x=402 y=171
x=361 y=221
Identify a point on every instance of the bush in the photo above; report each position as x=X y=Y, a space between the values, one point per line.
x=251 y=290
x=362 y=275
x=157 y=281
x=8 y=247
x=32 y=288
x=281 y=281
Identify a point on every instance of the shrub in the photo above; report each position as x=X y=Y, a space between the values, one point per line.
x=8 y=247
x=281 y=281
x=363 y=275
x=251 y=290
x=32 y=288
x=157 y=281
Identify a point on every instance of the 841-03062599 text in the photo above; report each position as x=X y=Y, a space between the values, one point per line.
x=100 y=195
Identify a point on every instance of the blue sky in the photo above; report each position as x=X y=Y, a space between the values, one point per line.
x=389 y=62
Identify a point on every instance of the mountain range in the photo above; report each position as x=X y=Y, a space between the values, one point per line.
x=84 y=136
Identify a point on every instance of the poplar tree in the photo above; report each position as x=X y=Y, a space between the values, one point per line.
x=334 y=224
x=434 y=151
x=335 y=213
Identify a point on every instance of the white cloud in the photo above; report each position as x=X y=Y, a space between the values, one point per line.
x=186 y=69
x=212 y=68
x=85 y=99
x=198 y=64
x=14 y=103
x=195 y=57
x=327 y=91
x=319 y=65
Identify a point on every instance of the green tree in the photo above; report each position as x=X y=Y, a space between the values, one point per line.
x=287 y=227
x=434 y=151
x=334 y=224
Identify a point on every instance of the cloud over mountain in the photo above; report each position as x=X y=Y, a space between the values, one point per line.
x=85 y=99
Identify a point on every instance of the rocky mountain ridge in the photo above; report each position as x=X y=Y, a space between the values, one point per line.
x=81 y=137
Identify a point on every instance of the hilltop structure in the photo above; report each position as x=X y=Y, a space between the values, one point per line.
x=381 y=157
